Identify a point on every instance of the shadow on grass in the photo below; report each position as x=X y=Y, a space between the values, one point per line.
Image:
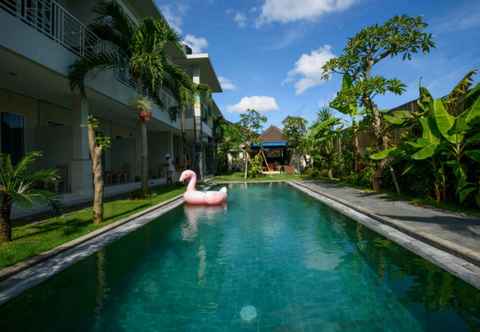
x=74 y=225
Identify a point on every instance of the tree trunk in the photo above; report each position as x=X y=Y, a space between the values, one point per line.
x=394 y=178
x=356 y=148
x=97 y=171
x=144 y=158
x=245 y=158
x=194 y=147
x=330 y=174
x=5 y=222
x=184 y=140
x=377 y=124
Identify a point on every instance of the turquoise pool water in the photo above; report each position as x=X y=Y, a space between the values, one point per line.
x=273 y=260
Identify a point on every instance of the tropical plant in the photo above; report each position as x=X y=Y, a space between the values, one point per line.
x=294 y=129
x=252 y=122
x=255 y=166
x=449 y=136
x=143 y=106
x=399 y=36
x=346 y=103
x=18 y=185
x=135 y=50
x=323 y=136
x=231 y=136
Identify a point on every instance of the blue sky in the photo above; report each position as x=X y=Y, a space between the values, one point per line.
x=269 y=52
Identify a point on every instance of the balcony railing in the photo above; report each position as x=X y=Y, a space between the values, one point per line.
x=52 y=20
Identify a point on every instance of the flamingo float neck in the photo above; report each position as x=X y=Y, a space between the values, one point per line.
x=192 y=182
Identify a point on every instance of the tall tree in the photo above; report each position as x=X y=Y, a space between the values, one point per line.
x=138 y=50
x=323 y=135
x=399 y=36
x=346 y=103
x=252 y=121
x=294 y=129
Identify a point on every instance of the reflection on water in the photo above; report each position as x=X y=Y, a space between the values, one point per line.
x=195 y=214
x=275 y=260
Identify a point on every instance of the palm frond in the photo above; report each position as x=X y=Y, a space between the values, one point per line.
x=44 y=175
x=113 y=24
x=456 y=96
x=22 y=168
x=6 y=166
x=142 y=103
x=472 y=96
x=79 y=70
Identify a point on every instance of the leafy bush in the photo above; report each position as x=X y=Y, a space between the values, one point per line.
x=255 y=166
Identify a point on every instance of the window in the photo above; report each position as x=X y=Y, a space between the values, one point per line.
x=12 y=136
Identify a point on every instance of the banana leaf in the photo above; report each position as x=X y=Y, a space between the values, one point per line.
x=445 y=122
x=426 y=152
x=383 y=154
x=473 y=154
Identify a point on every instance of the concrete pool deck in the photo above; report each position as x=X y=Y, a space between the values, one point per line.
x=453 y=233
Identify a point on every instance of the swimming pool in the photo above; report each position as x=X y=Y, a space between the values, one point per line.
x=274 y=259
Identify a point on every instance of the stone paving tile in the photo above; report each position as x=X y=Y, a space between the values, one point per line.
x=459 y=232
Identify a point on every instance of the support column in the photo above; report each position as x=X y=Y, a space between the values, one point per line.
x=81 y=170
x=197 y=113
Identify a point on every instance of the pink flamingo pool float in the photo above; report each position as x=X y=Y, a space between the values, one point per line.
x=195 y=197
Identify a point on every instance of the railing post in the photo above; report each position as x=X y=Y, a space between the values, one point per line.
x=18 y=5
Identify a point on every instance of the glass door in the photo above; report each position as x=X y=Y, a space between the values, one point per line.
x=13 y=135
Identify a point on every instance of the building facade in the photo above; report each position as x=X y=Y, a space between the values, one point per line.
x=39 y=40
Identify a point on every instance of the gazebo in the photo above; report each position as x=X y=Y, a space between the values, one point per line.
x=274 y=147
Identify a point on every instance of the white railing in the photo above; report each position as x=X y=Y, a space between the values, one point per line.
x=52 y=20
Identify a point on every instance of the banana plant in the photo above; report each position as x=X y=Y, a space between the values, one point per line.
x=446 y=136
x=322 y=136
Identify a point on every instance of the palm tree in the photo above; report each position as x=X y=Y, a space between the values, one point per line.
x=143 y=106
x=17 y=185
x=183 y=88
x=135 y=49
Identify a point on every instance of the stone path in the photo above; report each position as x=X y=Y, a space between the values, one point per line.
x=455 y=233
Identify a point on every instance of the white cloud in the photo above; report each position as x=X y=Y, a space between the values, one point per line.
x=227 y=85
x=296 y=10
x=258 y=103
x=197 y=44
x=174 y=15
x=240 y=19
x=286 y=39
x=307 y=72
x=463 y=18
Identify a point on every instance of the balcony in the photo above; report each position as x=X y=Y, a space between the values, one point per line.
x=57 y=27
x=55 y=22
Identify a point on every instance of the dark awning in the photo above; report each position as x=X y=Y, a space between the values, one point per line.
x=270 y=145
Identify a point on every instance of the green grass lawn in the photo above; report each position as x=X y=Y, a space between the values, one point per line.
x=239 y=177
x=34 y=238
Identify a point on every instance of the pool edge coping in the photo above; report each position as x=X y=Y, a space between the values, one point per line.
x=10 y=271
x=41 y=271
x=437 y=252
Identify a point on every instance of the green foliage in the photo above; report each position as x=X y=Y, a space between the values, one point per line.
x=294 y=128
x=136 y=49
x=141 y=103
x=253 y=123
x=18 y=182
x=229 y=138
x=322 y=139
x=401 y=35
x=255 y=166
x=449 y=137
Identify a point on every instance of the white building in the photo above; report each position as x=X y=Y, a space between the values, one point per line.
x=39 y=40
